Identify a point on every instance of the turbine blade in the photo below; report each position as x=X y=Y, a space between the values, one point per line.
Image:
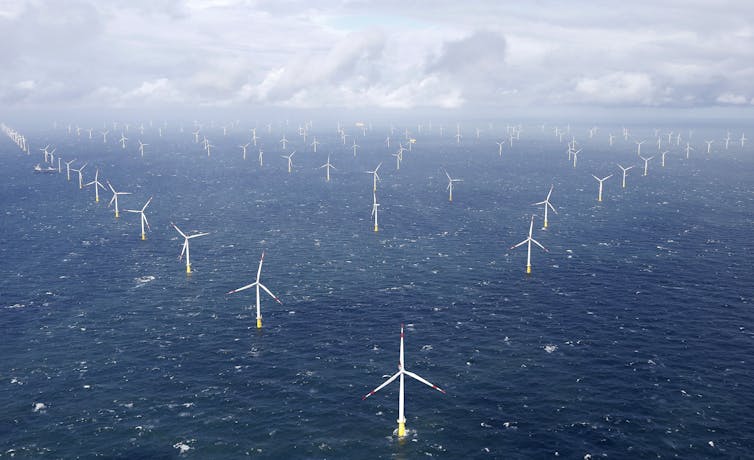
x=426 y=382
x=270 y=293
x=519 y=244
x=242 y=288
x=537 y=243
x=386 y=383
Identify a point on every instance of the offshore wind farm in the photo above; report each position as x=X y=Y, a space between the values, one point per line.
x=218 y=217
x=158 y=355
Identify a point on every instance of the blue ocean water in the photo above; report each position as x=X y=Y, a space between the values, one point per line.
x=630 y=339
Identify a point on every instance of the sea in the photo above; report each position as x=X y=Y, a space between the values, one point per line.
x=630 y=338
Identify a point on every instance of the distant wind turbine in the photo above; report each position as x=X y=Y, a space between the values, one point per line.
x=185 y=249
x=143 y=218
x=97 y=185
x=257 y=284
x=450 y=186
x=601 y=181
x=528 y=241
x=547 y=204
x=327 y=167
x=625 y=170
x=114 y=199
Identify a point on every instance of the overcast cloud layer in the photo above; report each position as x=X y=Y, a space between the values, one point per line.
x=357 y=54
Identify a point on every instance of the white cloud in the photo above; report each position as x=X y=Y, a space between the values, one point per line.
x=730 y=98
x=618 y=88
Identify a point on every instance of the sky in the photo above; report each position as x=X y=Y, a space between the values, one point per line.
x=387 y=54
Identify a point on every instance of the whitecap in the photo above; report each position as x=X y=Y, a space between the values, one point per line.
x=39 y=407
x=550 y=348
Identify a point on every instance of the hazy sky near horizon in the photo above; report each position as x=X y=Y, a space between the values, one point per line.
x=382 y=54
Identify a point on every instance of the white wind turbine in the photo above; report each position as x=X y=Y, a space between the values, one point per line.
x=257 y=284
x=625 y=171
x=500 y=147
x=327 y=167
x=244 y=147
x=663 y=157
x=114 y=199
x=401 y=431
x=646 y=163
x=375 y=177
x=141 y=147
x=709 y=145
x=261 y=157
x=81 y=175
x=290 y=161
x=743 y=139
x=97 y=185
x=601 y=181
x=104 y=136
x=398 y=158
x=284 y=141
x=375 y=205
x=529 y=240
x=185 y=248
x=354 y=146
x=143 y=216
x=689 y=148
x=68 y=169
x=123 y=140
x=638 y=146
x=547 y=204
x=450 y=185
x=575 y=154
x=315 y=143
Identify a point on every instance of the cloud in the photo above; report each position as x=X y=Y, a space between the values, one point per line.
x=630 y=88
x=730 y=98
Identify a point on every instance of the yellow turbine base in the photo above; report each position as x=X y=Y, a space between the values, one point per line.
x=259 y=323
x=188 y=269
x=143 y=237
x=376 y=228
x=401 y=429
x=116 y=214
x=599 y=199
x=96 y=200
x=545 y=225
x=528 y=269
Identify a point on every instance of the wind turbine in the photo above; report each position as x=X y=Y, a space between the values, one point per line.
x=290 y=161
x=261 y=157
x=689 y=148
x=123 y=140
x=547 y=204
x=743 y=139
x=709 y=145
x=375 y=177
x=141 y=147
x=401 y=432
x=185 y=248
x=258 y=285
x=327 y=170
x=97 y=185
x=68 y=169
x=315 y=143
x=528 y=241
x=375 y=205
x=81 y=175
x=663 y=157
x=114 y=199
x=144 y=220
x=575 y=156
x=646 y=163
x=284 y=141
x=244 y=147
x=354 y=147
x=450 y=185
x=625 y=170
x=500 y=147
x=104 y=136
x=599 y=196
x=638 y=146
